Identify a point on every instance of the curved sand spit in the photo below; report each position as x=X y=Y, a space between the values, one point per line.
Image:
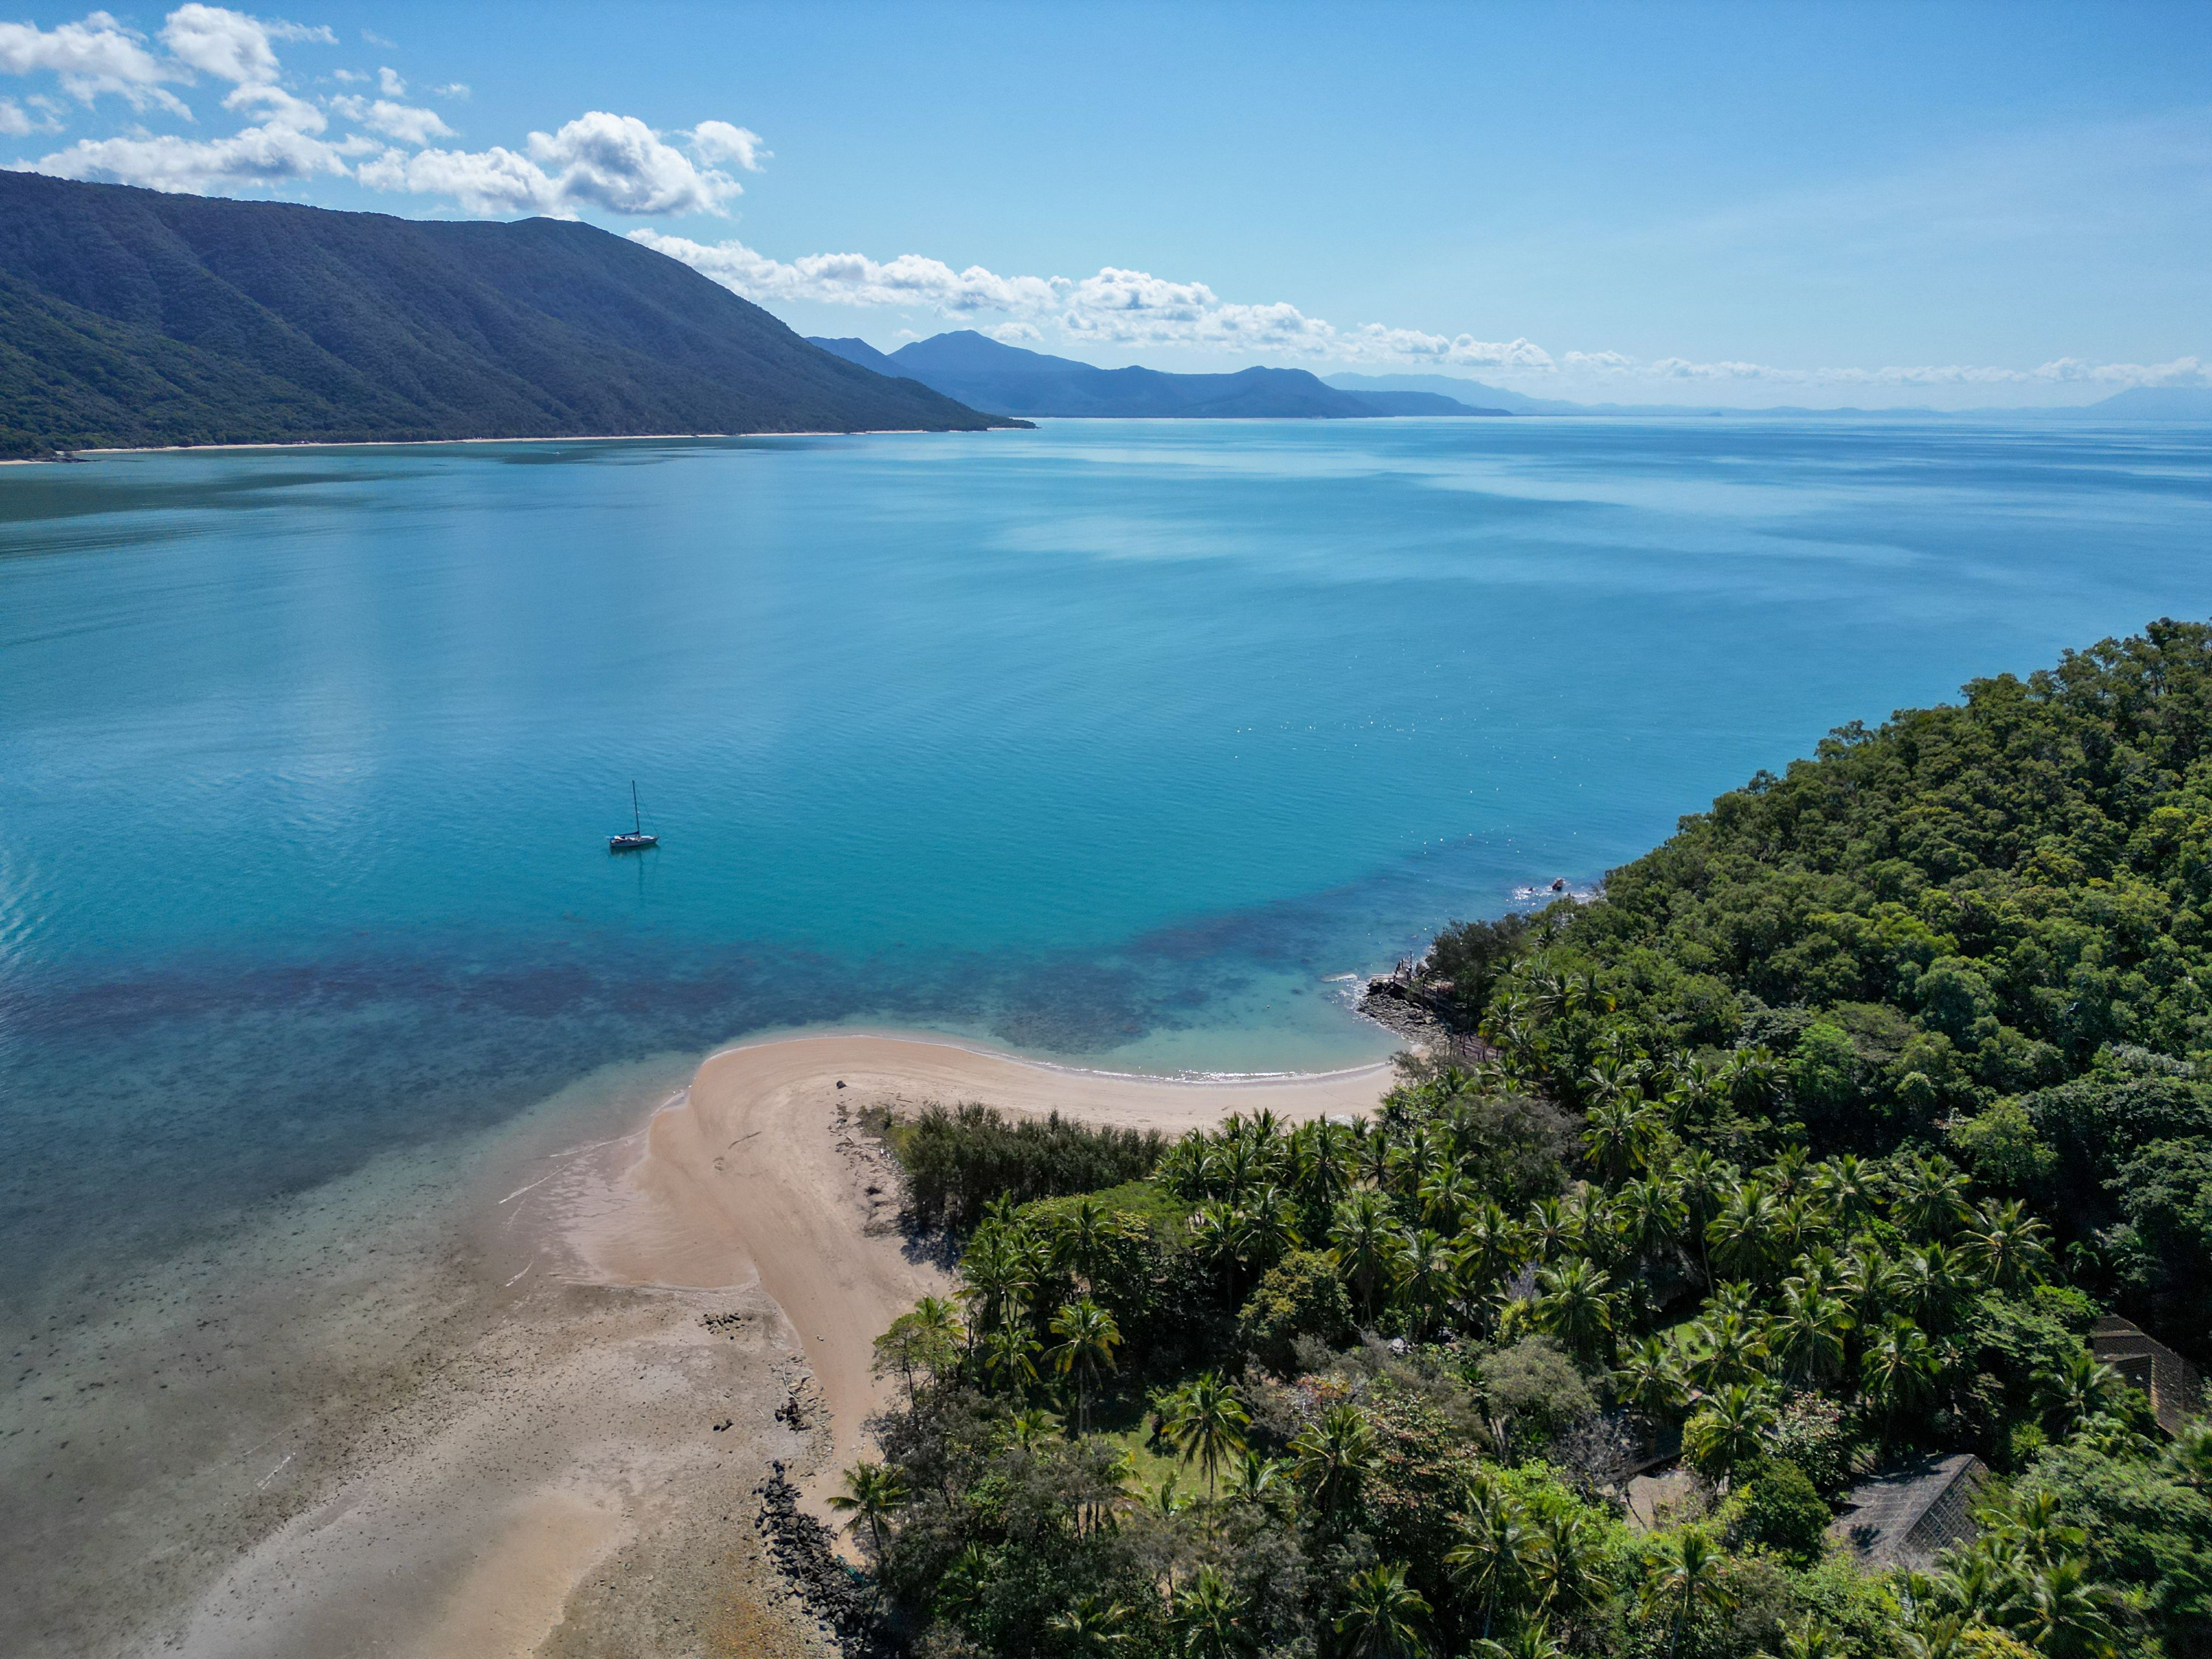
x=756 y=1174
x=576 y=1480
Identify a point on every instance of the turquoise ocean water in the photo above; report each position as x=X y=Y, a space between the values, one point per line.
x=1111 y=742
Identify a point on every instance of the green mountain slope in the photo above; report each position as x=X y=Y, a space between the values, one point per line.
x=129 y=317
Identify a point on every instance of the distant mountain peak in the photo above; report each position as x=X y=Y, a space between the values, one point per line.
x=131 y=317
x=988 y=374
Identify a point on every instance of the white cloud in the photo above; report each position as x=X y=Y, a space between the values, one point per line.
x=408 y=124
x=619 y=163
x=451 y=90
x=1123 y=307
x=350 y=77
x=718 y=140
x=2182 y=371
x=614 y=162
x=1116 y=307
x=389 y=83
x=267 y=154
x=16 y=122
x=486 y=182
x=230 y=45
x=95 y=56
x=270 y=105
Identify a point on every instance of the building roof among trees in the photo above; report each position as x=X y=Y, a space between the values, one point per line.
x=1906 y=1516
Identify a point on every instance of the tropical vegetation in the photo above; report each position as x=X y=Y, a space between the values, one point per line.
x=1813 y=1146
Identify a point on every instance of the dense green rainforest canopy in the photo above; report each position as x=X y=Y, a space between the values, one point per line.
x=1811 y=1150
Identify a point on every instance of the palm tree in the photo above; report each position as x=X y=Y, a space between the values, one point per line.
x=1416 y=1161
x=1010 y=1358
x=1216 y=1234
x=1031 y=1426
x=1363 y=1239
x=1752 y=1077
x=1370 y=1153
x=1813 y=1638
x=1331 y=1455
x=2010 y=1247
x=1564 y=1573
x=1869 y=1278
x=1534 y=1640
x=1616 y=1136
x=1845 y=1185
x=1740 y=1235
x=1427 y=1276
x=995 y=1276
x=1730 y=1430
x=1897 y=1371
x=1801 y=1219
x=1236 y=1169
x=1789 y=1172
x=2078 y=1389
x=1382 y=1615
x=1650 y=1216
x=872 y=1493
x=1259 y=1478
x=1930 y=1199
x=1088 y=1337
x=1809 y=1335
x=1445 y=1197
x=1270 y=1226
x=1208 y=1618
x=1701 y=1180
x=1204 y=1420
x=1092 y=1626
x=2190 y=1456
x=1088 y=1232
x=1490 y=1243
x=1648 y=1381
x=2061 y=1612
x=1548 y=1229
x=1725 y=1348
x=1929 y=1285
x=1322 y=1158
x=1573 y=1305
x=1496 y=1549
x=1684 y=1576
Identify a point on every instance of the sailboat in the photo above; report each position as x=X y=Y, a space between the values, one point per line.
x=634 y=839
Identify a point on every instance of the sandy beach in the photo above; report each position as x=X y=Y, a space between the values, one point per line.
x=759 y=1176
x=551 y=1445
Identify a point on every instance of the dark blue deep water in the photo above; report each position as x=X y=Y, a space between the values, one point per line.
x=1109 y=741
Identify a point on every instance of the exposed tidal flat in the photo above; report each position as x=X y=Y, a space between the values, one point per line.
x=1111 y=743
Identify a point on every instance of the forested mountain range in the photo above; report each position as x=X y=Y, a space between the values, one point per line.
x=131 y=317
x=981 y=371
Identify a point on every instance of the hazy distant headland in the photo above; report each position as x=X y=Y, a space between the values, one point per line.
x=987 y=374
x=133 y=318
x=979 y=370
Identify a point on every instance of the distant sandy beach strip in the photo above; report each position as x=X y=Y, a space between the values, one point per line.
x=425 y=443
x=758 y=1174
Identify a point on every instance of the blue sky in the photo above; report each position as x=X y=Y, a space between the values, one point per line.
x=1873 y=204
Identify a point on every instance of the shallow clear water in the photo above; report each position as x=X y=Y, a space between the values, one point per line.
x=1109 y=741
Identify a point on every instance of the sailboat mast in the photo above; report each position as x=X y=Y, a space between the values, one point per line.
x=637 y=820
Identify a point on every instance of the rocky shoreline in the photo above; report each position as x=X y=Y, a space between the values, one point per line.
x=1401 y=1002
